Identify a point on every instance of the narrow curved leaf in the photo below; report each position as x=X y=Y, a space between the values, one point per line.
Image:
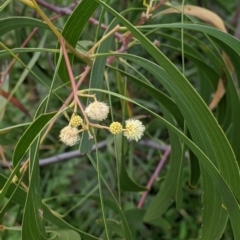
x=229 y=200
x=30 y=135
x=4 y=53
x=168 y=190
x=12 y=23
x=33 y=221
x=8 y=129
x=162 y=98
x=202 y=125
x=128 y=184
x=231 y=46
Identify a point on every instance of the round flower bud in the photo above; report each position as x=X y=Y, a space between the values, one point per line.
x=115 y=128
x=69 y=135
x=134 y=129
x=97 y=110
x=76 y=120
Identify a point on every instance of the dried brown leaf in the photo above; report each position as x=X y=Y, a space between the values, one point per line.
x=213 y=19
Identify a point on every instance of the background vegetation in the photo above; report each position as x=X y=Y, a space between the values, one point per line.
x=176 y=72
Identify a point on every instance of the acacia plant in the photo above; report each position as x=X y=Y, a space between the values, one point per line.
x=95 y=97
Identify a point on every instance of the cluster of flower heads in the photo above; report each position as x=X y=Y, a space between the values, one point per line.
x=70 y=134
x=133 y=131
x=98 y=111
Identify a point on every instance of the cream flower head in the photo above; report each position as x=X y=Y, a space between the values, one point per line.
x=134 y=129
x=97 y=110
x=115 y=128
x=69 y=135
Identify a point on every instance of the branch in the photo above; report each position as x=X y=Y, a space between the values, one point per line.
x=154 y=176
x=63 y=157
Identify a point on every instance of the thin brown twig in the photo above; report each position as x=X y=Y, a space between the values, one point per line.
x=62 y=10
x=154 y=176
x=68 y=65
x=75 y=153
x=32 y=33
x=5 y=73
x=128 y=38
x=159 y=5
x=69 y=10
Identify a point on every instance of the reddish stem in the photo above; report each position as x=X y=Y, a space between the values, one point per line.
x=68 y=65
x=154 y=176
x=69 y=99
x=70 y=73
x=159 y=5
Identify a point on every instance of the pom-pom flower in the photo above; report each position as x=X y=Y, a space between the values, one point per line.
x=97 y=110
x=134 y=129
x=115 y=128
x=69 y=135
x=76 y=120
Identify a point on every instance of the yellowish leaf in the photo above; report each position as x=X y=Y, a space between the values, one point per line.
x=201 y=13
x=218 y=94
